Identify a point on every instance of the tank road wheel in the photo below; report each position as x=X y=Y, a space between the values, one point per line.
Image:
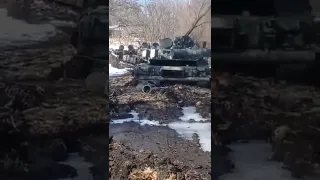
x=114 y=61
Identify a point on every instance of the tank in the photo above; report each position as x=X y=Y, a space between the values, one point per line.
x=174 y=61
x=128 y=56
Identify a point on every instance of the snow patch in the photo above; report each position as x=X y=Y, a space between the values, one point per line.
x=189 y=113
x=114 y=72
x=184 y=128
x=188 y=129
x=136 y=119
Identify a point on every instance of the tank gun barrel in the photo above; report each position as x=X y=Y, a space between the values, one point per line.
x=187 y=53
x=257 y=56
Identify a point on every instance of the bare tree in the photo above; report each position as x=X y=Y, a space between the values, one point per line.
x=156 y=19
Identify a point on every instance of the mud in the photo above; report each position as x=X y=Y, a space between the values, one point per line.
x=168 y=156
x=161 y=149
x=163 y=104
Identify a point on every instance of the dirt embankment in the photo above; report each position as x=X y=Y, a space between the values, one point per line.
x=126 y=163
x=162 y=104
x=284 y=114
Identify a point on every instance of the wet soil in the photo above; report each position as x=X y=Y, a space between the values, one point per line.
x=162 y=105
x=159 y=148
x=168 y=156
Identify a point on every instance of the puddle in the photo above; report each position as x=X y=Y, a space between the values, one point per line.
x=82 y=167
x=17 y=32
x=188 y=127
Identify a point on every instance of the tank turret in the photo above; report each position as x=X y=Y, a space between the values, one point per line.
x=175 y=60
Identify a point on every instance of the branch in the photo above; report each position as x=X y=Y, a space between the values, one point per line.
x=197 y=21
x=206 y=22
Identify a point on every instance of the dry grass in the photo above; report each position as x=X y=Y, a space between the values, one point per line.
x=148 y=174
